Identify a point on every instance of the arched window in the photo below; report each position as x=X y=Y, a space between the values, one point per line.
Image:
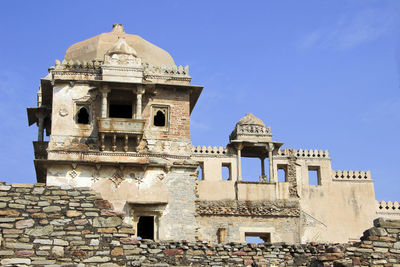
x=83 y=116
x=159 y=119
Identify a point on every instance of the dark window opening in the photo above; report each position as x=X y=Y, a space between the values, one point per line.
x=159 y=119
x=83 y=116
x=145 y=227
x=314 y=175
x=120 y=111
x=258 y=238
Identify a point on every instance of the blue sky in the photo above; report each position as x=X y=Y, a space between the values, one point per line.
x=322 y=74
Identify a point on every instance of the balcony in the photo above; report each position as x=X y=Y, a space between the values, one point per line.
x=121 y=126
x=116 y=129
x=40 y=149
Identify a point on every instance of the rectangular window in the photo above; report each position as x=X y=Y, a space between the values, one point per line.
x=226 y=171
x=282 y=173
x=258 y=237
x=314 y=176
x=200 y=171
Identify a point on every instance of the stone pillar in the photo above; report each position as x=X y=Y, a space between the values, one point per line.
x=263 y=178
x=139 y=92
x=40 y=126
x=104 y=101
x=270 y=148
x=239 y=147
x=40 y=115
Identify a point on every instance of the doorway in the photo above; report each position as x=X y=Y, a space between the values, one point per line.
x=145 y=227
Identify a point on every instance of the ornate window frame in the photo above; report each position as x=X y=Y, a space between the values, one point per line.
x=164 y=109
x=89 y=108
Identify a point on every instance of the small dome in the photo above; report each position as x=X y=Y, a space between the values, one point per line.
x=250 y=119
x=96 y=47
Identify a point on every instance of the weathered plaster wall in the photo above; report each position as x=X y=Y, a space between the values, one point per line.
x=280 y=228
x=66 y=133
x=173 y=191
x=49 y=225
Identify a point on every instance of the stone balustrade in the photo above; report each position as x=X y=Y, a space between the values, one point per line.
x=340 y=175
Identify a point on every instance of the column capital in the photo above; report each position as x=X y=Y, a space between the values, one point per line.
x=270 y=147
x=139 y=90
x=105 y=89
x=239 y=146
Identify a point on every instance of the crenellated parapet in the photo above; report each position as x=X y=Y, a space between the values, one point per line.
x=174 y=70
x=92 y=70
x=303 y=153
x=388 y=207
x=209 y=151
x=356 y=176
x=76 y=70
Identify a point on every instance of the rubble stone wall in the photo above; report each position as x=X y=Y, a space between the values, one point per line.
x=63 y=226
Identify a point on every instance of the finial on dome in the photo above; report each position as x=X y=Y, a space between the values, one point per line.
x=122 y=47
x=118 y=28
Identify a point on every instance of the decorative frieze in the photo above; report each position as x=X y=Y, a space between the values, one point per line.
x=248 y=208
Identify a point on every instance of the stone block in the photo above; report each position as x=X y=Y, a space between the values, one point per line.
x=43 y=241
x=375 y=231
x=103 y=204
x=22 y=185
x=172 y=252
x=81 y=222
x=60 y=242
x=38 y=190
x=5 y=187
x=9 y=213
x=57 y=251
x=24 y=253
x=387 y=223
x=24 y=224
x=107 y=222
x=18 y=245
x=15 y=261
x=96 y=259
x=130 y=241
x=40 y=230
x=117 y=251
x=50 y=209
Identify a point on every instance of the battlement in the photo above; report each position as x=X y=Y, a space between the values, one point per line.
x=340 y=175
x=209 y=151
x=388 y=207
x=303 y=153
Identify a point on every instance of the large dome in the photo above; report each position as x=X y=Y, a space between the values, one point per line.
x=95 y=48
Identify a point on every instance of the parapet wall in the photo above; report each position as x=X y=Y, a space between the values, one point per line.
x=73 y=226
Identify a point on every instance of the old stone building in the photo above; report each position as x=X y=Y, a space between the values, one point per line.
x=117 y=114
